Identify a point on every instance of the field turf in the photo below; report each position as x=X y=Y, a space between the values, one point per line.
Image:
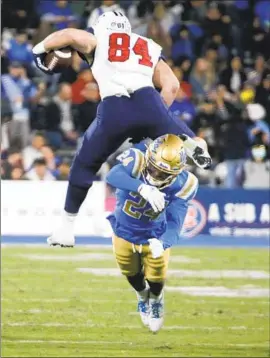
x=73 y=303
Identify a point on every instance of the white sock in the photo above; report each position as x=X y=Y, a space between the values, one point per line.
x=143 y=294
x=69 y=220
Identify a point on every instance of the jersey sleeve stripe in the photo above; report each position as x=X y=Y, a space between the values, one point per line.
x=139 y=159
x=189 y=188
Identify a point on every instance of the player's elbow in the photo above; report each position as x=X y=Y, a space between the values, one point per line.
x=175 y=86
x=172 y=86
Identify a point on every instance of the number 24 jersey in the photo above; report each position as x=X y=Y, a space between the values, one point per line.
x=133 y=219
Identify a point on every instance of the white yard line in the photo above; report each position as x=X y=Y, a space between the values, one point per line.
x=248 y=274
x=132 y=313
x=37 y=341
x=59 y=300
x=209 y=300
x=220 y=291
x=95 y=256
x=167 y=328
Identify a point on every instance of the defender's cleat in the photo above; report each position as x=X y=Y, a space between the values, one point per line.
x=143 y=307
x=61 y=237
x=156 y=313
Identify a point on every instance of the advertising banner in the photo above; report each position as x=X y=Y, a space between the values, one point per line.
x=225 y=212
x=35 y=208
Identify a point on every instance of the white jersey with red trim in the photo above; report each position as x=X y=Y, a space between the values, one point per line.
x=123 y=61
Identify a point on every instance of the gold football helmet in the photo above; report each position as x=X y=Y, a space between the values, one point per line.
x=165 y=158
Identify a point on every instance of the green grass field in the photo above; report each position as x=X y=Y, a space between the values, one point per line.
x=217 y=304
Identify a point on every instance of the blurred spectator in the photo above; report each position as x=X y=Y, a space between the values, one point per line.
x=258 y=39
x=139 y=14
x=39 y=171
x=256 y=170
x=168 y=12
x=182 y=43
x=38 y=149
x=222 y=50
x=107 y=5
x=17 y=174
x=14 y=160
x=58 y=13
x=84 y=77
x=185 y=66
x=185 y=86
x=256 y=75
x=201 y=78
x=205 y=125
x=233 y=142
x=63 y=170
x=19 y=14
x=211 y=55
x=60 y=129
x=20 y=49
x=234 y=76
x=183 y=108
x=86 y=111
x=216 y=22
x=263 y=96
x=157 y=33
x=195 y=10
x=262 y=10
x=20 y=92
x=259 y=130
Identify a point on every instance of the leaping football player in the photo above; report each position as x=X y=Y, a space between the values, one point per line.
x=144 y=230
x=127 y=68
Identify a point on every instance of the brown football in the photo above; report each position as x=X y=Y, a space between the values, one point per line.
x=57 y=60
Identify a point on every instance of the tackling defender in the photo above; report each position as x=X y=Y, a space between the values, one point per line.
x=126 y=67
x=143 y=233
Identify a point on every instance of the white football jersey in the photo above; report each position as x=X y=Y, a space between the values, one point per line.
x=124 y=61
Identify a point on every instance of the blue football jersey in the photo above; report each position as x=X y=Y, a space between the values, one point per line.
x=133 y=219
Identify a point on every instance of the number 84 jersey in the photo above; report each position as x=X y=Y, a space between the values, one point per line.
x=123 y=63
x=134 y=220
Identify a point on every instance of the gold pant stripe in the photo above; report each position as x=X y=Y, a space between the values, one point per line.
x=131 y=261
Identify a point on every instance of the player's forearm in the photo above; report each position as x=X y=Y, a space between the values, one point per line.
x=120 y=179
x=171 y=237
x=165 y=79
x=78 y=39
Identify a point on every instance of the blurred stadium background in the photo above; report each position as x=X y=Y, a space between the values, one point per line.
x=53 y=301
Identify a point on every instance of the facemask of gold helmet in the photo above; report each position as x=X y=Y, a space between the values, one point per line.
x=165 y=158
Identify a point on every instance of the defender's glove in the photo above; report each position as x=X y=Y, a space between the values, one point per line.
x=194 y=150
x=156 y=247
x=39 y=54
x=154 y=197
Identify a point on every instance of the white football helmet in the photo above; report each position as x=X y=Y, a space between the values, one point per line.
x=114 y=21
